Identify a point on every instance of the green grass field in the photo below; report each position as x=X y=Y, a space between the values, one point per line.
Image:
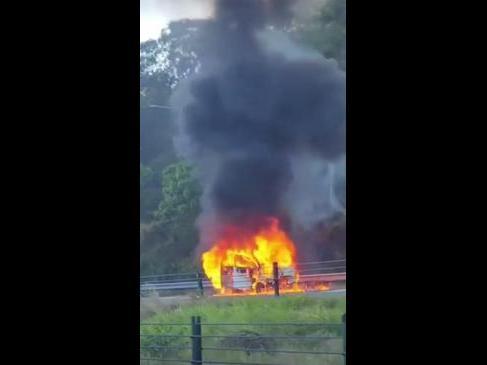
x=254 y=338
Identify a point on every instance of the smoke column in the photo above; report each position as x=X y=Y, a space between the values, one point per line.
x=264 y=122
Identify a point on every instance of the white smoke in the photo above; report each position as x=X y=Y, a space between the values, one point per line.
x=313 y=195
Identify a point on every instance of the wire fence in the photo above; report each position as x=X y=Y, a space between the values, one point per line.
x=310 y=273
x=276 y=343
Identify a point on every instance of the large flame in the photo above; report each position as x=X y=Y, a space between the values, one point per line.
x=241 y=249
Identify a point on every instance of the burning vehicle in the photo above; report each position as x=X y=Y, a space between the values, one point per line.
x=243 y=262
x=255 y=279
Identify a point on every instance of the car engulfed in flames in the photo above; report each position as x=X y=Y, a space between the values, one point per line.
x=243 y=263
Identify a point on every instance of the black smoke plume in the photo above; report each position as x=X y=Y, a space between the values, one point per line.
x=255 y=108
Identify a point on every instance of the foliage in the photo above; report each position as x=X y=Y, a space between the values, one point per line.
x=301 y=308
x=163 y=63
x=327 y=31
x=174 y=56
x=167 y=243
x=148 y=195
x=304 y=308
x=180 y=194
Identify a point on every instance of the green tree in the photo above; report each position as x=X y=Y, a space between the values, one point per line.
x=149 y=193
x=326 y=32
x=168 y=232
x=180 y=194
x=163 y=64
x=174 y=55
x=168 y=242
x=156 y=123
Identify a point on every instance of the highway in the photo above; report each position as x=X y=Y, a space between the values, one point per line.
x=331 y=271
x=161 y=285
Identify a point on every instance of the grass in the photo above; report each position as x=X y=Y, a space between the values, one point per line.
x=256 y=309
x=253 y=338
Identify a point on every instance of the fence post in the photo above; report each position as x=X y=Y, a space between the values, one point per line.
x=344 y=337
x=199 y=278
x=276 y=278
x=197 y=357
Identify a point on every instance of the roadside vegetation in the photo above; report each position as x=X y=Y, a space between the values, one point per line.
x=256 y=341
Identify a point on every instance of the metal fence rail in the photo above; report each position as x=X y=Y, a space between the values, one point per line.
x=198 y=348
x=190 y=282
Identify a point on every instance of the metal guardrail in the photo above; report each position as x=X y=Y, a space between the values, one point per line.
x=177 y=344
x=330 y=271
x=184 y=285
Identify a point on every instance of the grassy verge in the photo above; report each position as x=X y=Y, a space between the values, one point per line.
x=257 y=341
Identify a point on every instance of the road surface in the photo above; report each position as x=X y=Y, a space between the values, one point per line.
x=193 y=284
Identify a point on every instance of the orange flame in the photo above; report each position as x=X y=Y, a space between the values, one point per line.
x=240 y=249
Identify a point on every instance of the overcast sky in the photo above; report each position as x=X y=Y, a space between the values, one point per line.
x=156 y=14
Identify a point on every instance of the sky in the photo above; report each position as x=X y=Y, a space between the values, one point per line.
x=156 y=14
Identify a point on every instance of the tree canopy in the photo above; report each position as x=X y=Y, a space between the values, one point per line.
x=326 y=32
x=167 y=242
